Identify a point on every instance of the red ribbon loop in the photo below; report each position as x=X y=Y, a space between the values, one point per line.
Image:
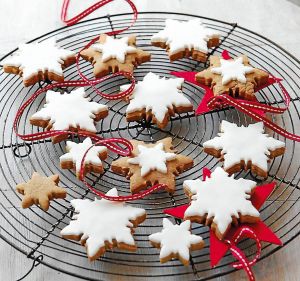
x=47 y=134
x=132 y=197
x=249 y=107
x=268 y=108
x=83 y=14
x=243 y=262
x=112 y=143
x=225 y=100
x=115 y=198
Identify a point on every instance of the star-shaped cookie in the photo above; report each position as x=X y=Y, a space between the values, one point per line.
x=40 y=190
x=152 y=163
x=156 y=99
x=176 y=241
x=220 y=201
x=186 y=38
x=73 y=111
x=244 y=148
x=92 y=161
x=39 y=62
x=102 y=225
x=110 y=55
x=152 y=158
x=235 y=77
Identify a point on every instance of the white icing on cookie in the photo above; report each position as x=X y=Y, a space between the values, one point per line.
x=181 y=35
x=152 y=158
x=114 y=49
x=232 y=70
x=221 y=197
x=156 y=94
x=102 y=220
x=70 y=110
x=244 y=143
x=34 y=57
x=176 y=239
x=76 y=152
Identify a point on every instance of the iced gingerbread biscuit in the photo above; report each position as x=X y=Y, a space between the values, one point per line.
x=110 y=55
x=176 y=241
x=42 y=61
x=234 y=77
x=40 y=190
x=152 y=163
x=244 y=148
x=92 y=161
x=102 y=225
x=156 y=99
x=220 y=201
x=72 y=112
x=186 y=39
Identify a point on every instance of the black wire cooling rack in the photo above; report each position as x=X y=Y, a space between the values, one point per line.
x=37 y=233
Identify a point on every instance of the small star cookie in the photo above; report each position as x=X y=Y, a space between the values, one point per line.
x=102 y=225
x=76 y=151
x=235 y=77
x=176 y=241
x=152 y=163
x=186 y=39
x=40 y=190
x=156 y=99
x=73 y=111
x=244 y=148
x=111 y=55
x=42 y=61
x=220 y=201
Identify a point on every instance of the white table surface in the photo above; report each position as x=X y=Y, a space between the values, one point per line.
x=278 y=20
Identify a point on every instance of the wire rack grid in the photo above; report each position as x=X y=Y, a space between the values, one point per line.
x=37 y=233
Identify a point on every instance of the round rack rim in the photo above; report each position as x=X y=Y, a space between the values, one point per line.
x=155 y=12
x=155 y=211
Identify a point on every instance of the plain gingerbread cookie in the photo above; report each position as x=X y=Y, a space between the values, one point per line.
x=40 y=190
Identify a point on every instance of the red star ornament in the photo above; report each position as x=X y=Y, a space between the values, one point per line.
x=208 y=95
x=218 y=248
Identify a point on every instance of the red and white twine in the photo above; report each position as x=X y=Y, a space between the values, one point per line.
x=243 y=262
x=112 y=143
x=248 y=106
